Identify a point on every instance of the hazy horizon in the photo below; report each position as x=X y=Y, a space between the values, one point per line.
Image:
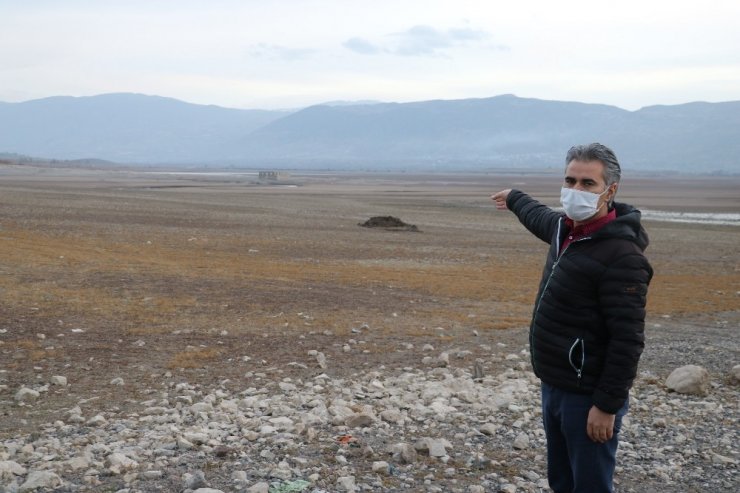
x=337 y=102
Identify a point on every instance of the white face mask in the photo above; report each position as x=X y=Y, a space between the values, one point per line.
x=580 y=205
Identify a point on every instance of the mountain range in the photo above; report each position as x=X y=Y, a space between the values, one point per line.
x=470 y=134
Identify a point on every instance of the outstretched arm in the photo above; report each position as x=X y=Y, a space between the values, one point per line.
x=500 y=199
x=539 y=219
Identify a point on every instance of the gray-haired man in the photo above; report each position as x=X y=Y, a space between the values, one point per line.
x=586 y=335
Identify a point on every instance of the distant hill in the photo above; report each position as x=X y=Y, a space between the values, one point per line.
x=125 y=128
x=470 y=133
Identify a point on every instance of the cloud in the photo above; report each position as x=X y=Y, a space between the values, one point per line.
x=277 y=52
x=361 y=46
x=423 y=40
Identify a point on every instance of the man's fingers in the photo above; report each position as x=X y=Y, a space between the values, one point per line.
x=598 y=434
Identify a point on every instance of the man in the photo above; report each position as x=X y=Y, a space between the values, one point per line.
x=587 y=330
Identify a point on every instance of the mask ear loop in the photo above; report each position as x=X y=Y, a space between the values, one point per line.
x=610 y=201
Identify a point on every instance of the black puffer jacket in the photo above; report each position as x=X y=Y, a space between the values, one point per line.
x=587 y=331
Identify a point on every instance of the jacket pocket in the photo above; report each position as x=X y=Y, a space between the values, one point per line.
x=577 y=357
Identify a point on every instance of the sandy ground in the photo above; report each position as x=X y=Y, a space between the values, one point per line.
x=107 y=274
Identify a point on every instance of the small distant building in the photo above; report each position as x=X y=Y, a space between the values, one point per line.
x=273 y=175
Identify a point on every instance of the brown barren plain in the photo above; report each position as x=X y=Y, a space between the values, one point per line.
x=121 y=273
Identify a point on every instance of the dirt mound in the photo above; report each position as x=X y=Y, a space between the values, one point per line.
x=388 y=222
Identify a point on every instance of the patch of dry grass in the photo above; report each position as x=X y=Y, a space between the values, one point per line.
x=92 y=276
x=193 y=358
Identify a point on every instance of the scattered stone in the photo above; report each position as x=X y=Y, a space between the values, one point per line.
x=736 y=373
x=478 y=370
x=381 y=467
x=117 y=381
x=359 y=420
x=261 y=487
x=489 y=429
x=346 y=483
x=404 y=453
x=195 y=480
x=118 y=463
x=9 y=469
x=286 y=424
x=689 y=379
x=97 y=420
x=521 y=441
x=59 y=380
x=40 y=480
x=432 y=447
x=25 y=394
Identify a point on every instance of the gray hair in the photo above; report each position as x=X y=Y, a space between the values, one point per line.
x=597 y=152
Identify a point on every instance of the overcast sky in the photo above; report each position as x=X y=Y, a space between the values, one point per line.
x=293 y=53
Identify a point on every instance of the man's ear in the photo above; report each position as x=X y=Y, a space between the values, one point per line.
x=613 y=187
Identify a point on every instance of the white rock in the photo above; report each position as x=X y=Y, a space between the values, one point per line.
x=489 y=429
x=392 y=416
x=59 y=380
x=282 y=423
x=78 y=463
x=443 y=359
x=381 y=467
x=346 y=483
x=359 y=420
x=9 y=469
x=40 y=479
x=117 y=381
x=259 y=488
x=183 y=444
x=689 y=379
x=119 y=463
x=26 y=394
x=736 y=373
x=432 y=446
x=97 y=420
x=404 y=453
x=287 y=387
x=207 y=490
x=201 y=407
x=280 y=472
x=196 y=437
x=521 y=441
x=194 y=481
x=721 y=459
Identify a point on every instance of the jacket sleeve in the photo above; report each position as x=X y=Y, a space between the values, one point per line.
x=539 y=219
x=622 y=294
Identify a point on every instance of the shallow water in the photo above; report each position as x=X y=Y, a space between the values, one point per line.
x=719 y=218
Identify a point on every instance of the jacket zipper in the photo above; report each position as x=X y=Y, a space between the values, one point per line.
x=578 y=369
x=542 y=295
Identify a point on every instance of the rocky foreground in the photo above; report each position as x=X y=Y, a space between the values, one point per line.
x=434 y=426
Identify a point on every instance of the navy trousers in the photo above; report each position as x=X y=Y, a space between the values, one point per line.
x=575 y=464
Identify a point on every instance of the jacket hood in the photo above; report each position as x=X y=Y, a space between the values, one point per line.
x=627 y=226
